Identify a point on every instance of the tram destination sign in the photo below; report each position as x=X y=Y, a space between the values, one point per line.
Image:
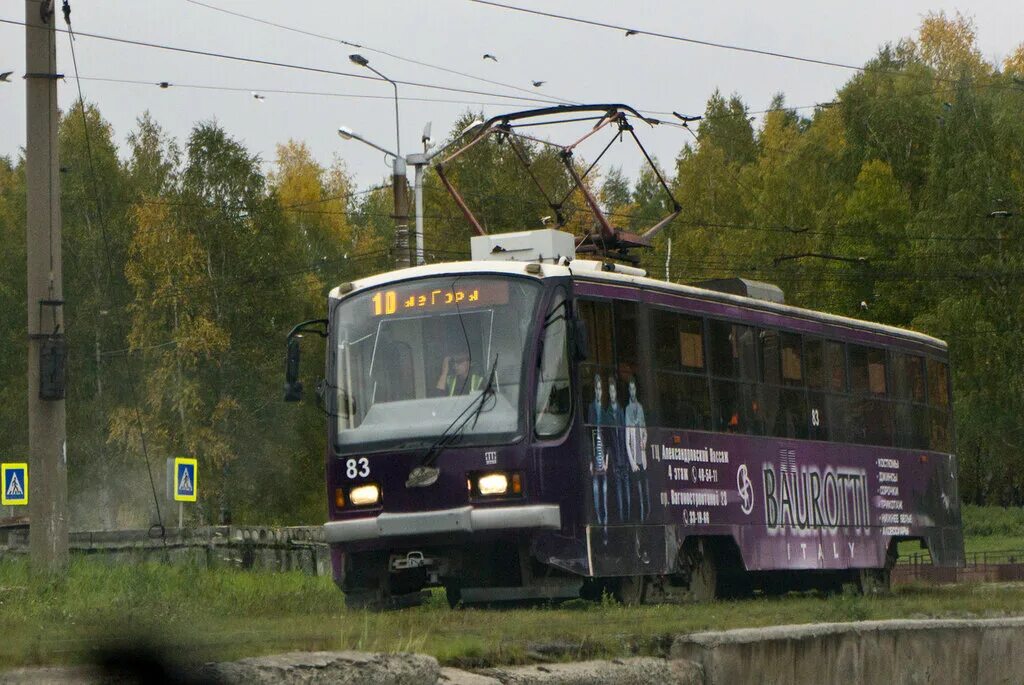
x=429 y=297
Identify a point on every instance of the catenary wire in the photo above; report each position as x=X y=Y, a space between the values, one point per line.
x=282 y=65
x=286 y=91
x=358 y=46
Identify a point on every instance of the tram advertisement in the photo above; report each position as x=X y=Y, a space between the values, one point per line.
x=787 y=504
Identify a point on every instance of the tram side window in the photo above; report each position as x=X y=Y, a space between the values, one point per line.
x=733 y=351
x=825 y=373
x=909 y=390
x=782 y=402
x=737 y=408
x=938 y=401
x=627 y=341
x=614 y=358
x=554 y=398
x=600 y=359
x=681 y=383
x=870 y=413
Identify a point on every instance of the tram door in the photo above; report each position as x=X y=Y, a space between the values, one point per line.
x=612 y=413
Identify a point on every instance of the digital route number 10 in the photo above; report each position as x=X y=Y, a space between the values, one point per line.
x=387 y=302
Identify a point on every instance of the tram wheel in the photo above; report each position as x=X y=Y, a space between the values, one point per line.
x=703 y=573
x=454 y=595
x=874 y=581
x=632 y=590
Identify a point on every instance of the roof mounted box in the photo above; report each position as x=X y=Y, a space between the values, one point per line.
x=745 y=287
x=543 y=245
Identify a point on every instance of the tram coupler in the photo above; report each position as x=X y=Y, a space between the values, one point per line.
x=415 y=559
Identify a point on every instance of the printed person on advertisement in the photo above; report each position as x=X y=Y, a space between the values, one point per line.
x=636 y=449
x=618 y=461
x=599 y=461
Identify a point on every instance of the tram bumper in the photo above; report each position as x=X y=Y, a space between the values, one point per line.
x=468 y=519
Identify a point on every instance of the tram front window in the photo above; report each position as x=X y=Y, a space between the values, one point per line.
x=414 y=360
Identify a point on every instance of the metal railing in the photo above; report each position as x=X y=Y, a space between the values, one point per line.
x=988 y=566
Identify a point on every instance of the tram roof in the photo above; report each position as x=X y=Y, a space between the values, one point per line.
x=590 y=270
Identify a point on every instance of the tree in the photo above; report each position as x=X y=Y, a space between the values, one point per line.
x=950 y=46
x=13 y=318
x=1014 y=64
x=615 y=191
x=726 y=126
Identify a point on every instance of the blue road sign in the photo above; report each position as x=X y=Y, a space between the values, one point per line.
x=15 y=484
x=186 y=487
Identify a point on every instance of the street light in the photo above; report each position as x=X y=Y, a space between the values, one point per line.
x=399 y=181
x=419 y=161
x=363 y=62
x=345 y=133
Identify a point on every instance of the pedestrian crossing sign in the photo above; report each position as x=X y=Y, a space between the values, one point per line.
x=15 y=484
x=186 y=487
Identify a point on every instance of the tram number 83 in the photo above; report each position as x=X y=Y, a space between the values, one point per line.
x=357 y=468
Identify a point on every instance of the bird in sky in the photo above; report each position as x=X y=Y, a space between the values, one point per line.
x=257 y=96
x=630 y=32
x=538 y=84
x=164 y=84
x=490 y=57
x=6 y=76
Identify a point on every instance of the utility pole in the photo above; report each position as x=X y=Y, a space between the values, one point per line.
x=48 y=524
x=401 y=190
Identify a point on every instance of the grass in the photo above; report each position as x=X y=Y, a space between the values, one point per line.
x=221 y=614
x=986 y=529
x=226 y=614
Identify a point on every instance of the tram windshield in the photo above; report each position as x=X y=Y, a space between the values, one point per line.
x=416 y=359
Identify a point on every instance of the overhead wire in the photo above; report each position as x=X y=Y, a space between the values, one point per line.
x=287 y=91
x=668 y=36
x=334 y=39
x=682 y=39
x=282 y=65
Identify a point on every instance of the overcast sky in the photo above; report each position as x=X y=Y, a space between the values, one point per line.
x=580 y=63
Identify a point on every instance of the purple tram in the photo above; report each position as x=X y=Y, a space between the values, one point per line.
x=560 y=428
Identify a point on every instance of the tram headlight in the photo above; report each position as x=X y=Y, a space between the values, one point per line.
x=364 y=495
x=496 y=484
x=492 y=484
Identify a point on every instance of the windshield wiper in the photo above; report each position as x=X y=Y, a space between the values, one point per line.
x=487 y=392
x=426 y=473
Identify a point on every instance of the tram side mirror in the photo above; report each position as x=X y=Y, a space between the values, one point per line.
x=292 y=384
x=580 y=339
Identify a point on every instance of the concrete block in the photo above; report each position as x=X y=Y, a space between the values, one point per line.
x=900 y=652
x=633 y=671
x=342 y=668
x=55 y=675
x=454 y=676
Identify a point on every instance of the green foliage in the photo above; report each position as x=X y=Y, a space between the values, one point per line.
x=994 y=521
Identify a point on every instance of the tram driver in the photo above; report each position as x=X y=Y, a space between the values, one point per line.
x=457 y=376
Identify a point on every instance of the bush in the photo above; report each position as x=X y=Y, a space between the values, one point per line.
x=984 y=521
